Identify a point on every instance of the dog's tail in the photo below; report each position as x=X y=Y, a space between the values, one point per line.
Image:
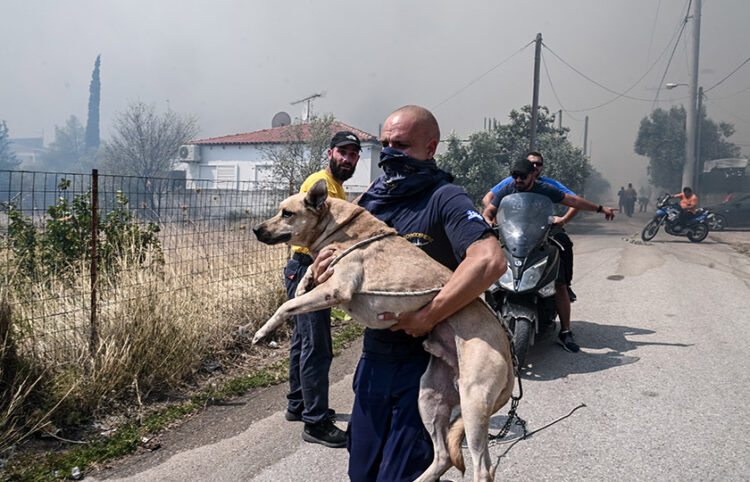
x=455 y=438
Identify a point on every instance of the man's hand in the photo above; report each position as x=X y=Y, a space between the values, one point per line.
x=413 y=323
x=558 y=221
x=320 y=270
x=609 y=213
x=490 y=215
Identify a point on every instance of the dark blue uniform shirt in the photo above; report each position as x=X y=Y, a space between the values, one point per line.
x=444 y=224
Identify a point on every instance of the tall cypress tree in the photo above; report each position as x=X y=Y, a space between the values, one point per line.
x=92 y=125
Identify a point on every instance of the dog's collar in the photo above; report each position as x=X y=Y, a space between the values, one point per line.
x=359 y=244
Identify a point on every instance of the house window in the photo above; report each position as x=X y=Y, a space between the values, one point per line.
x=264 y=172
x=226 y=177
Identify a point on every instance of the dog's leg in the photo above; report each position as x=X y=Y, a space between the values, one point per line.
x=437 y=397
x=339 y=289
x=481 y=390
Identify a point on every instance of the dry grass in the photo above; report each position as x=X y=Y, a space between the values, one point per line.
x=157 y=324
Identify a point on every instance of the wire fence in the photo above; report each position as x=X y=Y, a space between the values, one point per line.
x=57 y=229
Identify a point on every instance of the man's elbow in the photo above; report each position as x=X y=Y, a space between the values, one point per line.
x=495 y=264
x=498 y=267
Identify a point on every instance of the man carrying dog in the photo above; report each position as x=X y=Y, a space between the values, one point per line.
x=311 y=352
x=387 y=440
x=563 y=294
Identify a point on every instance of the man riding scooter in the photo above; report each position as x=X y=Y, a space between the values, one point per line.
x=523 y=176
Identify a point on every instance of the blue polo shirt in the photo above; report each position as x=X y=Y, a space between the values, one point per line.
x=553 y=193
x=543 y=179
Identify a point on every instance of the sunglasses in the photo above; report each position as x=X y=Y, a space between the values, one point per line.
x=518 y=175
x=536 y=164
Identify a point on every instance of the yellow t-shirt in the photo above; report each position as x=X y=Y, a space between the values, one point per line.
x=335 y=189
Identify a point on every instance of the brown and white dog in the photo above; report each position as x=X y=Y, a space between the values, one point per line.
x=471 y=362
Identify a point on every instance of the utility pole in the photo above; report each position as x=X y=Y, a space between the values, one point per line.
x=585 y=135
x=559 y=119
x=691 y=122
x=698 y=159
x=535 y=100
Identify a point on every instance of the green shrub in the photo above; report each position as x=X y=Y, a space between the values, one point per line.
x=65 y=241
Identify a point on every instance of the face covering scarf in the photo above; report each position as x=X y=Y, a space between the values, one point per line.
x=405 y=180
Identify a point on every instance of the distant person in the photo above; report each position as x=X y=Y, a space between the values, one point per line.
x=643 y=198
x=630 y=197
x=311 y=351
x=621 y=199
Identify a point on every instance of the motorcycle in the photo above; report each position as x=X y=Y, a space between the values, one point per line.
x=524 y=295
x=668 y=214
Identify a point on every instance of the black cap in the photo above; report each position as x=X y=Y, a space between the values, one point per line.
x=345 y=138
x=522 y=166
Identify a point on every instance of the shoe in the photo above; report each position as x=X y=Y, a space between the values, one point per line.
x=565 y=339
x=297 y=416
x=325 y=433
x=571 y=295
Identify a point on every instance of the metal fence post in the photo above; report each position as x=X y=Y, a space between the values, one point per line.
x=94 y=322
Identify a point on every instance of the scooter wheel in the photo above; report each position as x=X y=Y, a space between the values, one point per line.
x=523 y=330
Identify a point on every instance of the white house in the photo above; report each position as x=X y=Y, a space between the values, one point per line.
x=231 y=160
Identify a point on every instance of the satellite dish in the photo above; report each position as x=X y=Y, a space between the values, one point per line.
x=281 y=119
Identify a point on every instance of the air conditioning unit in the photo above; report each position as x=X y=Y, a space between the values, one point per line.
x=189 y=153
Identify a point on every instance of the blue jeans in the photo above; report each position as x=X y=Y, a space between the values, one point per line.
x=310 y=354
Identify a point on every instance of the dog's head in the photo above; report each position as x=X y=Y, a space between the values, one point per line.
x=298 y=221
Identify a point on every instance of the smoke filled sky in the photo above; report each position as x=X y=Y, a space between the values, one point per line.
x=234 y=64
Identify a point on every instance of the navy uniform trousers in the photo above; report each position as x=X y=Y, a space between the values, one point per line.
x=311 y=352
x=387 y=388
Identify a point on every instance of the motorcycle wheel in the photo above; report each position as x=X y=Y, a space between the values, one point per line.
x=698 y=233
x=650 y=230
x=718 y=223
x=523 y=330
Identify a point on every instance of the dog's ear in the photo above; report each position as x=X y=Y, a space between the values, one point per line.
x=317 y=195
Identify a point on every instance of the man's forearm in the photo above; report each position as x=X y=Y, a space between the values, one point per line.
x=569 y=215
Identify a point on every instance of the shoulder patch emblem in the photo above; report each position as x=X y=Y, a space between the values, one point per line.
x=471 y=214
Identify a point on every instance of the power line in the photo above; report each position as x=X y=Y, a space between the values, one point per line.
x=554 y=92
x=671 y=56
x=677 y=33
x=728 y=75
x=483 y=75
x=653 y=29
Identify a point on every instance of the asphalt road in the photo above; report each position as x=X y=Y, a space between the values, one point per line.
x=663 y=374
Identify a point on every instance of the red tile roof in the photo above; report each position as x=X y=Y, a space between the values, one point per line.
x=279 y=134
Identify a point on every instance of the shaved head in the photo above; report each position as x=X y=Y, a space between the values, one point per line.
x=424 y=120
x=413 y=130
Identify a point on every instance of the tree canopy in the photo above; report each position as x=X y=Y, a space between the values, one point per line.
x=92 y=124
x=661 y=138
x=68 y=149
x=485 y=159
x=144 y=142
x=303 y=150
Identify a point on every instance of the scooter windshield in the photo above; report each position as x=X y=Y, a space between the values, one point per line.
x=524 y=220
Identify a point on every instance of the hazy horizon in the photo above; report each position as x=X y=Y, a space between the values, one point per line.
x=235 y=64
